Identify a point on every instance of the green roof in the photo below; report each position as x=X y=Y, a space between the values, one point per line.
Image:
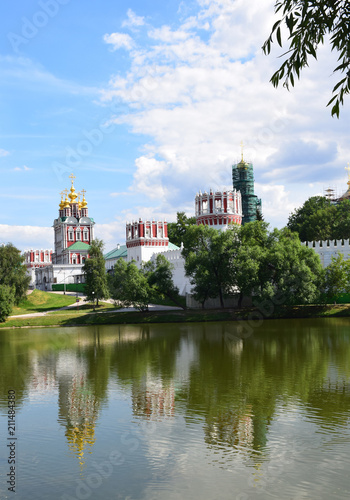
x=116 y=253
x=79 y=245
x=172 y=246
x=121 y=251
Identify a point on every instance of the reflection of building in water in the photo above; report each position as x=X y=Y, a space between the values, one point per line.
x=43 y=377
x=231 y=429
x=241 y=432
x=78 y=405
x=151 y=397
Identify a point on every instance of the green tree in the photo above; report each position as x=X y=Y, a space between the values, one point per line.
x=309 y=23
x=314 y=220
x=295 y=272
x=209 y=255
x=129 y=285
x=273 y=264
x=319 y=219
x=96 y=287
x=13 y=272
x=337 y=277
x=341 y=221
x=7 y=299
x=177 y=230
x=160 y=278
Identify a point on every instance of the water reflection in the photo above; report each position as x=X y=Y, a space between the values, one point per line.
x=237 y=388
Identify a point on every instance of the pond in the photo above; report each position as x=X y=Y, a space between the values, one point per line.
x=176 y=411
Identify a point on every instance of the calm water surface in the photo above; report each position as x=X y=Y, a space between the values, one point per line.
x=199 y=411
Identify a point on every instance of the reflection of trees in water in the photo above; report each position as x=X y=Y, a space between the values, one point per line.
x=237 y=383
x=233 y=380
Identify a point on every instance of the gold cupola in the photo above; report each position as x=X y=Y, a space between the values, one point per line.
x=61 y=205
x=79 y=202
x=72 y=195
x=84 y=202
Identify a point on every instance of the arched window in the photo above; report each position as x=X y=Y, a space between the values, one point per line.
x=74 y=258
x=78 y=235
x=70 y=234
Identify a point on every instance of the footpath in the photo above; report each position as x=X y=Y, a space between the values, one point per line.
x=83 y=301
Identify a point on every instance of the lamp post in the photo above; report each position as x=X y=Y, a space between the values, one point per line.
x=93 y=299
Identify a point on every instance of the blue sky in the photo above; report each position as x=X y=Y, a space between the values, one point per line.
x=146 y=103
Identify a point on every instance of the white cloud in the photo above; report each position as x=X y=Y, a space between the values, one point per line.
x=27 y=237
x=119 y=41
x=196 y=97
x=22 y=169
x=3 y=152
x=133 y=20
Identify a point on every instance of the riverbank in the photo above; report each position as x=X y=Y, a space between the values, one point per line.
x=87 y=316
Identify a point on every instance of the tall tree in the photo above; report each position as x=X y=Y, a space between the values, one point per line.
x=7 y=299
x=313 y=220
x=96 y=287
x=337 y=277
x=309 y=23
x=159 y=276
x=129 y=285
x=252 y=261
x=177 y=230
x=319 y=219
x=209 y=256
x=13 y=272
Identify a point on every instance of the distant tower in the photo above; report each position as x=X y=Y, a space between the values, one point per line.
x=144 y=238
x=243 y=181
x=219 y=209
x=330 y=194
x=74 y=230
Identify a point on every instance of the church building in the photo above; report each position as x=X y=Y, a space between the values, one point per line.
x=73 y=234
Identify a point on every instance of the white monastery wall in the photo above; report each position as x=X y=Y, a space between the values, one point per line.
x=179 y=278
x=328 y=249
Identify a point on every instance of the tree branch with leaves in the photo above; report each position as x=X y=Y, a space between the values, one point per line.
x=308 y=22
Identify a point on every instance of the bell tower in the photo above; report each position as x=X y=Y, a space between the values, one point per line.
x=73 y=229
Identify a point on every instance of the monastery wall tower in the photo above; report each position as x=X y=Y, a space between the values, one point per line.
x=218 y=209
x=144 y=238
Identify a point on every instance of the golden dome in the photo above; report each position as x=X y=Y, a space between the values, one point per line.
x=61 y=205
x=66 y=202
x=79 y=202
x=72 y=195
x=84 y=202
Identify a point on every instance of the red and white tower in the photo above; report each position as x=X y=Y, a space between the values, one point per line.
x=144 y=238
x=74 y=229
x=219 y=209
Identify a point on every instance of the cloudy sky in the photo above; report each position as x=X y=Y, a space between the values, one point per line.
x=146 y=103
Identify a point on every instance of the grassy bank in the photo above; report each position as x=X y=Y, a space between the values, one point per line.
x=86 y=316
x=39 y=301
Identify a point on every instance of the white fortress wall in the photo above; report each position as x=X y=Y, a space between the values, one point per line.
x=329 y=248
x=179 y=278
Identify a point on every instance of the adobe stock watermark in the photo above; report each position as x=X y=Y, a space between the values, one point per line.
x=30 y=27
x=93 y=138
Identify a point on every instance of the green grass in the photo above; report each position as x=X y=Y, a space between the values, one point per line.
x=39 y=301
x=103 y=315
